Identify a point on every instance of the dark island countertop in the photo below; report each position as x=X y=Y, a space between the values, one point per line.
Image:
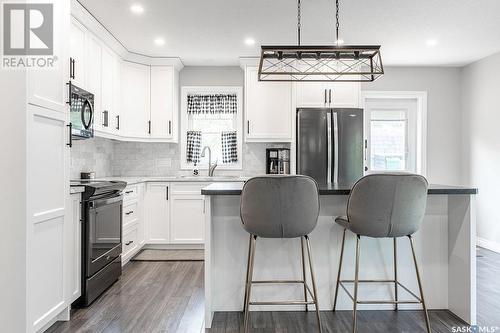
x=229 y=188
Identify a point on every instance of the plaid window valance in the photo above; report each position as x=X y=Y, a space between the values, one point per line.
x=211 y=103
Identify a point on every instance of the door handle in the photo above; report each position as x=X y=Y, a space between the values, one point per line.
x=128 y=243
x=149 y=126
x=72 y=75
x=105 y=120
x=330 y=96
x=169 y=127
x=129 y=212
x=166 y=193
x=118 y=122
x=325 y=96
x=69 y=93
x=70 y=142
x=248 y=126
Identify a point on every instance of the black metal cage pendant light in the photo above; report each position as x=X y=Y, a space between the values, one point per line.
x=340 y=63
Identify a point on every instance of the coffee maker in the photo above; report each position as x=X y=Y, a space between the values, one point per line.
x=278 y=161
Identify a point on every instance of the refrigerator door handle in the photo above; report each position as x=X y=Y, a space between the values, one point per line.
x=329 y=147
x=335 y=148
x=297 y=167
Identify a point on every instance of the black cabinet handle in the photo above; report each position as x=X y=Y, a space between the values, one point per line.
x=105 y=120
x=329 y=96
x=128 y=243
x=129 y=212
x=118 y=122
x=149 y=126
x=70 y=143
x=169 y=127
x=72 y=68
x=69 y=93
x=325 y=96
x=166 y=193
x=128 y=192
x=248 y=126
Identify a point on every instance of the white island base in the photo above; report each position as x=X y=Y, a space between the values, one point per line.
x=445 y=247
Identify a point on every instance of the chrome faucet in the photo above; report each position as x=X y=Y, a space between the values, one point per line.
x=211 y=168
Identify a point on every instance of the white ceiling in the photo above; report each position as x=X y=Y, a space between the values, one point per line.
x=212 y=32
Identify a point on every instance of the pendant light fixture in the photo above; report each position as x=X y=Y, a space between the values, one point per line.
x=338 y=62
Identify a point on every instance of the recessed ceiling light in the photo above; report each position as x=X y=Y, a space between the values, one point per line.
x=159 y=41
x=431 y=42
x=250 y=41
x=137 y=9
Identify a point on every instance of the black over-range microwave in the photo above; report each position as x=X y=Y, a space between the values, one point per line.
x=81 y=105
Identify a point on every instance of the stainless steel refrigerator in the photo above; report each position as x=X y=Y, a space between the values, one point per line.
x=329 y=144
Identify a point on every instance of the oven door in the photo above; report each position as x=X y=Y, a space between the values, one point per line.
x=103 y=232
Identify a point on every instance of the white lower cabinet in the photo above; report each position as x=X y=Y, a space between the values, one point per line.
x=158 y=213
x=130 y=242
x=175 y=213
x=133 y=227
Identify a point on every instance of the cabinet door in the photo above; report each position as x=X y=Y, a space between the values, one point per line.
x=117 y=105
x=135 y=100
x=162 y=101
x=107 y=72
x=77 y=53
x=268 y=109
x=187 y=219
x=158 y=217
x=94 y=84
x=344 y=94
x=312 y=94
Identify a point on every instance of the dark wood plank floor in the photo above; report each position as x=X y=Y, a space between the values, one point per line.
x=168 y=297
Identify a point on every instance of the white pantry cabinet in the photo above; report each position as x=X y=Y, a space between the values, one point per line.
x=158 y=213
x=268 y=109
x=74 y=250
x=78 y=54
x=187 y=213
x=135 y=100
x=328 y=94
x=164 y=102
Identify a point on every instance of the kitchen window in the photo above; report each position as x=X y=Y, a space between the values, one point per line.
x=394 y=132
x=211 y=116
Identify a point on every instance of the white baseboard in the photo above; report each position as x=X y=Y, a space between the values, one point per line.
x=488 y=244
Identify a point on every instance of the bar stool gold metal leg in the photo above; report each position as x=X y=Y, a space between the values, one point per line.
x=340 y=269
x=248 y=266
x=356 y=282
x=304 y=271
x=313 y=278
x=395 y=274
x=427 y=323
x=253 y=240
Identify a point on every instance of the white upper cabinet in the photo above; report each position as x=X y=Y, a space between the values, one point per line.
x=268 y=109
x=164 y=102
x=135 y=100
x=328 y=94
x=94 y=83
x=77 y=54
x=107 y=114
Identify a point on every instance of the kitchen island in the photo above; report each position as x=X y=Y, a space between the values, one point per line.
x=445 y=246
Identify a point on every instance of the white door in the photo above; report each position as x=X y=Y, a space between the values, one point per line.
x=162 y=101
x=135 y=99
x=77 y=54
x=187 y=219
x=107 y=72
x=391 y=131
x=158 y=214
x=268 y=109
x=311 y=94
x=49 y=208
x=343 y=94
x=94 y=84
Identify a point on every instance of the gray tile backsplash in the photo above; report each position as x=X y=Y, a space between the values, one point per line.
x=116 y=158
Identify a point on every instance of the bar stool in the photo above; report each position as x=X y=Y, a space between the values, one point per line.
x=384 y=206
x=280 y=207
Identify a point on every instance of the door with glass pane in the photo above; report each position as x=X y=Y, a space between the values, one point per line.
x=391 y=134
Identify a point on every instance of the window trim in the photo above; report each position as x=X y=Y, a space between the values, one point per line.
x=238 y=90
x=421 y=123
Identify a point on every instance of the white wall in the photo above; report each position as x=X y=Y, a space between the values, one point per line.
x=13 y=201
x=481 y=138
x=444 y=153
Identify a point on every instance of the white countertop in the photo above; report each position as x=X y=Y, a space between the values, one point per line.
x=142 y=179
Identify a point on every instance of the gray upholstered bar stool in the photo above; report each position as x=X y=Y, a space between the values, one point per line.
x=280 y=207
x=384 y=206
